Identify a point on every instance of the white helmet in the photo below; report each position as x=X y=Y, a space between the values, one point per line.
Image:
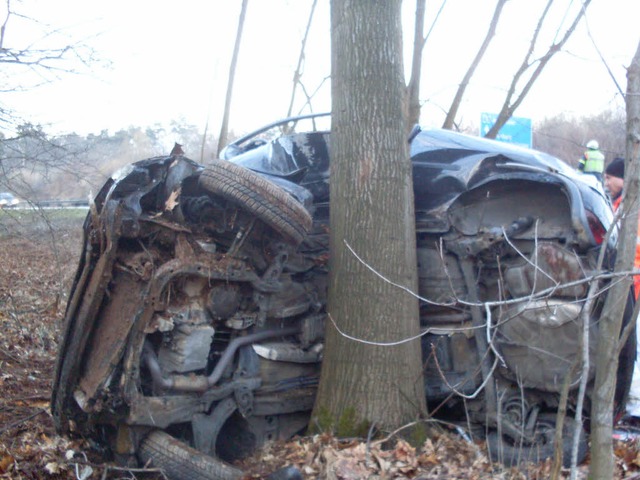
x=593 y=145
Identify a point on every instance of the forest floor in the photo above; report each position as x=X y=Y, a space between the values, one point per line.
x=38 y=258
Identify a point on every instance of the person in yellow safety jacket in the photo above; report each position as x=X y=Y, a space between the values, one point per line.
x=592 y=161
x=614 y=184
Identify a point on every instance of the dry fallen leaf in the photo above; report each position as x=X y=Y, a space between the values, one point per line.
x=5 y=463
x=172 y=201
x=427 y=459
x=405 y=452
x=52 y=468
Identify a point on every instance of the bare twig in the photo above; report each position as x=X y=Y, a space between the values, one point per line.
x=457 y=99
x=22 y=420
x=510 y=104
x=7 y=354
x=297 y=76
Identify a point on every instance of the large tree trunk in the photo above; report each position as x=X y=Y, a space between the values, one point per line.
x=367 y=379
x=602 y=459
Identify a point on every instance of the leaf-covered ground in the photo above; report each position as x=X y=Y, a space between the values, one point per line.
x=38 y=263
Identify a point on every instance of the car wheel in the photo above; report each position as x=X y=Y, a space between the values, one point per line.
x=179 y=461
x=510 y=453
x=259 y=197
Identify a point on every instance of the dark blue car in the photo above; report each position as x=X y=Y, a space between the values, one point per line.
x=195 y=326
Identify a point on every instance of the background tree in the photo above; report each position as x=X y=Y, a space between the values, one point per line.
x=419 y=41
x=222 y=138
x=564 y=136
x=413 y=88
x=29 y=158
x=510 y=103
x=44 y=56
x=297 y=75
x=364 y=382
x=457 y=99
x=602 y=458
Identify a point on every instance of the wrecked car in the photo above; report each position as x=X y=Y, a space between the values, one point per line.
x=194 y=328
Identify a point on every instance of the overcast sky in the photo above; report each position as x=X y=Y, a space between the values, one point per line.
x=170 y=60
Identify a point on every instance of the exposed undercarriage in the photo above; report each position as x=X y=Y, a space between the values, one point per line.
x=198 y=310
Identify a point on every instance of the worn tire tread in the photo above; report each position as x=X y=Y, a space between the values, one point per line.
x=258 y=196
x=182 y=462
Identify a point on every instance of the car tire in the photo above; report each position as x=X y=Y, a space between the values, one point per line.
x=510 y=454
x=181 y=462
x=258 y=196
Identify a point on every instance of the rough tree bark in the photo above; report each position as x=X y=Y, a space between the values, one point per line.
x=369 y=384
x=457 y=100
x=222 y=138
x=602 y=459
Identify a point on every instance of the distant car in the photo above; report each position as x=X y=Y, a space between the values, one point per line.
x=8 y=200
x=195 y=326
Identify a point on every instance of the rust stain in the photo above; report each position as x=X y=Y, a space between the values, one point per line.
x=109 y=338
x=563 y=267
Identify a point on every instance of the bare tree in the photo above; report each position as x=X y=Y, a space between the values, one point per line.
x=222 y=138
x=510 y=103
x=378 y=381
x=457 y=99
x=297 y=76
x=564 y=136
x=602 y=459
x=419 y=41
x=36 y=61
x=413 y=88
x=28 y=156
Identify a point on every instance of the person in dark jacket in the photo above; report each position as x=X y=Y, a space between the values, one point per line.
x=614 y=181
x=614 y=184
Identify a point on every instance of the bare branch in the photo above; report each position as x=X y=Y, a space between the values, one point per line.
x=298 y=72
x=510 y=105
x=222 y=139
x=457 y=100
x=602 y=59
x=413 y=89
x=3 y=29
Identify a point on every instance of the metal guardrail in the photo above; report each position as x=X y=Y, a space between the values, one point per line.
x=62 y=203
x=73 y=203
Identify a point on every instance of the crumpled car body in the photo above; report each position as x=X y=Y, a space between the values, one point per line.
x=194 y=329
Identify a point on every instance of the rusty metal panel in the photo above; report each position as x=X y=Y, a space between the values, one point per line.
x=110 y=335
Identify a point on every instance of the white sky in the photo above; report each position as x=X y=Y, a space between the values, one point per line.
x=169 y=60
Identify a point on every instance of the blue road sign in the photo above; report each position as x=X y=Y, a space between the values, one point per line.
x=517 y=130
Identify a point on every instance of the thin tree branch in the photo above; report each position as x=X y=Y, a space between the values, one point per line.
x=297 y=75
x=457 y=99
x=222 y=138
x=509 y=106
